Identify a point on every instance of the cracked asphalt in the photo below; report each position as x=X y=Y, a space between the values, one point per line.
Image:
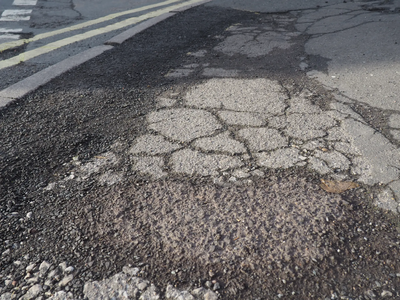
x=186 y=163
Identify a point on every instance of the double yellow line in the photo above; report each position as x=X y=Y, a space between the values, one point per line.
x=79 y=37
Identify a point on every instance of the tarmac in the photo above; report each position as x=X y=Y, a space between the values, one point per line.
x=309 y=86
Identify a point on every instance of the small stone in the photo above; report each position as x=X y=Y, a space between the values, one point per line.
x=29 y=215
x=62 y=266
x=66 y=280
x=216 y=286
x=69 y=270
x=150 y=294
x=386 y=294
x=52 y=274
x=370 y=294
x=130 y=271
x=208 y=284
x=210 y=295
x=174 y=294
x=7 y=252
x=33 y=280
x=30 y=267
x=17 y=263
x=43 y=268
x=142 y=286
x=7 y=296
x=33 y=292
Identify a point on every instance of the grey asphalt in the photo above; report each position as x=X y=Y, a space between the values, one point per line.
x=232 y=124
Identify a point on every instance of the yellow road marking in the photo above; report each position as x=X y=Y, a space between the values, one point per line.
x=18 y=43
x=79 y=37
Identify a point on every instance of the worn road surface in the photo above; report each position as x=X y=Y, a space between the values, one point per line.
x=232 y=151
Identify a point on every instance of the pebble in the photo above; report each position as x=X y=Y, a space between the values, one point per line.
x=130 y=271
x=7 y=252
x=150 y=294
x=69 y=270
x=43 y=268
x=63 y=266
x=386 y=294
x=29 y=268
x=66 y=280
x=32 y=292
x=370 y=294
x=216 y=286
x=29 y=215
x=208 y=284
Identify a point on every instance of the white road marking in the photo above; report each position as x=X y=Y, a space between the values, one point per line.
x=25 y=2
x=9 y=36
x=80 y=37
x=15 y=44
x=7 y=30
x=16 y=15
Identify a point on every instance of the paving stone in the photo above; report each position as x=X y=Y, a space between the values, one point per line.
x=183 y=124
x=220 y=143
x=256 y=95
x=386 y=200
x=263 y=139
x=308 y=126
x=195 y=163
x=152 y=145
x=150 y=165
x=394 y=121
x=242 y=118
x=334 y=159
x=319 y=165
x=282 y=158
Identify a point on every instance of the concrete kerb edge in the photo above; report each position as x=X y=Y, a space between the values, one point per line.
x=131 y=32
x=34 y=81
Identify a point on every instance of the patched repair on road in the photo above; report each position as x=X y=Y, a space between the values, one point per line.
x=212 y=165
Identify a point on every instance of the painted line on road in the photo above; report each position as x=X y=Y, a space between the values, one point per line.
x=7 y=30
x=127 y=34
x=79 y=37
x=15 y=15
x=9 y=36
x=33 y=82
x=10 y=45
x=25 y=2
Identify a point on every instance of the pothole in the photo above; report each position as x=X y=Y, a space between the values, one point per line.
x=284 y=219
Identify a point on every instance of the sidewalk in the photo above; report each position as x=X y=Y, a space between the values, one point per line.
x=221 y=153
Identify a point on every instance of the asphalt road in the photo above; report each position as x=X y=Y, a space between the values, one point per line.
x=221 y=153
x=44 y=33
